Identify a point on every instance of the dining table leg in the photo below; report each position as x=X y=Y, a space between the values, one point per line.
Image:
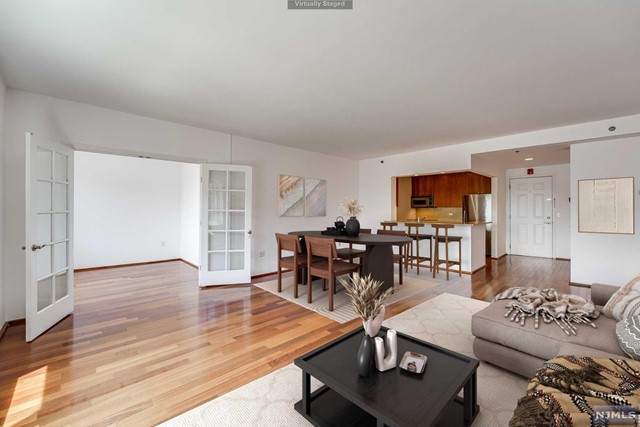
x=378 y=261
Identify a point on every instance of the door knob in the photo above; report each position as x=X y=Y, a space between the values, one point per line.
x=249 y=232
x=35 y=247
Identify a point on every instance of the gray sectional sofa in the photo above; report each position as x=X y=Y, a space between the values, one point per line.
x=524 y=349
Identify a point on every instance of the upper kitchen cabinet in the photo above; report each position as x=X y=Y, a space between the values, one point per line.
x=448 y=188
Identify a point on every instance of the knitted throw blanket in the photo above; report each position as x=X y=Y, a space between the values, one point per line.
x=564 y=309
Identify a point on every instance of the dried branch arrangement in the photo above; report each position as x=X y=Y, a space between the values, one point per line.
x=365 y=295
x=350 y=206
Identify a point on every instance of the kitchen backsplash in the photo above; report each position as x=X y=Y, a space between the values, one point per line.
x=440 y=214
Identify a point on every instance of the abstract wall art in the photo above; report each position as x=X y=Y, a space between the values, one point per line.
x=315 y=197
x=290 y=195
x=606 y=206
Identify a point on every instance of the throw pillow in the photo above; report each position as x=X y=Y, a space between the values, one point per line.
x=625 y=302
x=628 y=333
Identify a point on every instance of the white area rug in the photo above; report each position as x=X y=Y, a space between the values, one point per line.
x=445 y=320
x=342 y=308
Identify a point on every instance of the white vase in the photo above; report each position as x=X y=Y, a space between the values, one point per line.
x=372 y=326
x=385 y=363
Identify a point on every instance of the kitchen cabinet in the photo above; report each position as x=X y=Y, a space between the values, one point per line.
x=448 y=188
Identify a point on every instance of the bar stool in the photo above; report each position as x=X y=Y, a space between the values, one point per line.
x=389 y=224
x=446 y=239
x=416 y=260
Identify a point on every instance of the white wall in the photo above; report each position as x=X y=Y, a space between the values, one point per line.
x=605 y=258
x=268 y=161
x=127 y=210
x=99 y=129
x=499 y=218
x=561 y=210
x=2 y=201
x=190 y=213
x=375 y=190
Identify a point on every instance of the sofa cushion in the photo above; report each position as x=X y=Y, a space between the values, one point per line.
x=544 y=342
x=628 y=333
x=569 y=390
x=625 y=302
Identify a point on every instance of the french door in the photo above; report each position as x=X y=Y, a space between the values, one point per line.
x=48 y=234
x=531 y=215
x=225 y=225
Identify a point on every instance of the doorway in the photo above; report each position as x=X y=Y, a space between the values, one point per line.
x=531 y=216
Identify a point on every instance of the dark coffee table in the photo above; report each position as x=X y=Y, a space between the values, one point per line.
x=392 y=398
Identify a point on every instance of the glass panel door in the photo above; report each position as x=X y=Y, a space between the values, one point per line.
x=226 y=225
x=49 y=190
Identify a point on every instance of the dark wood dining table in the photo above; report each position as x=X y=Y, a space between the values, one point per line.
x=378 y=257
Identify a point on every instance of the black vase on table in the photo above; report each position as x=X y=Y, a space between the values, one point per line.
x=364 y=359
x=353 y=227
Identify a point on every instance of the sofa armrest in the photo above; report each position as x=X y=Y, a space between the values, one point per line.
x=601 y=293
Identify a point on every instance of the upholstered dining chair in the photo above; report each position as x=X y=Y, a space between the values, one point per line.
x=296 y=262
x=401 y=257
x=350 y=253
x=328 y=267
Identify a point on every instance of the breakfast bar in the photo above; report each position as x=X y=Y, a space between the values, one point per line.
x=473 y=243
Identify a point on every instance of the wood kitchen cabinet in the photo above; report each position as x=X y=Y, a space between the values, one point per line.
x=447 y=189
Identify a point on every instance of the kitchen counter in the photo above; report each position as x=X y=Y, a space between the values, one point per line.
x=447 y=222
x=473 y=242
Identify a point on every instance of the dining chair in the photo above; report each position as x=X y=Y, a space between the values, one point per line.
x=350 y=253
x=297 y=262
x=328 y=267
x=400 y=258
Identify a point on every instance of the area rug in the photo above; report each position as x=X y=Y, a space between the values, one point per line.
x=444 y=320
x=342 y=308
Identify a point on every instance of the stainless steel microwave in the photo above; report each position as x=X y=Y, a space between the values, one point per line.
x=422 y=201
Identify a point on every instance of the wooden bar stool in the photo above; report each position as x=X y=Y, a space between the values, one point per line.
x=416 y=260
x=446 y=239
x=389 y=224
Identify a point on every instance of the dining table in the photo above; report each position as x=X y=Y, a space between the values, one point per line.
x=378 y=257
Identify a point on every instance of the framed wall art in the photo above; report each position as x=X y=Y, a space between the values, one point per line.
x=315 y=197
x=290 y=195
x=606 y=206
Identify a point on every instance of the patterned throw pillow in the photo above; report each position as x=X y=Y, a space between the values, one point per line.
x=625 y=302
x=628 y=333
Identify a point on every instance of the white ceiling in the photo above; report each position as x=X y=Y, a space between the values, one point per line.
x=542 y=155
x=386 y=77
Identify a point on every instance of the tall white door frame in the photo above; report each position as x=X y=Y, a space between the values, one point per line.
x=531 y=212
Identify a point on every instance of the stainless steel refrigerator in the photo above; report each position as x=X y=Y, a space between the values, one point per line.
x=477 y=208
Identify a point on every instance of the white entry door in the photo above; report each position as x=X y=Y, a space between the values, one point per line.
x=532 y=216
x=225 y=225
x=49 y=231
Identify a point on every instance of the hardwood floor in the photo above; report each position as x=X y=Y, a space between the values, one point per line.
x=146 y=344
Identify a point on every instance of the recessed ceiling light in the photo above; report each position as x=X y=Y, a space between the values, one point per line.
x=528 y=159
x=442 y=171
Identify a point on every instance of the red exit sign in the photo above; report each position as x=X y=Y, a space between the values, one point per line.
x=530 y=171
